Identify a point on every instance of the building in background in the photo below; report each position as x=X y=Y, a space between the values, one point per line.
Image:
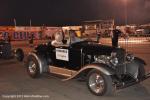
x=146 y=28
x=77 y=29
x=25 y=32
x=7 y=31
x=102 y=26
x=135 y=29
x=128 y=29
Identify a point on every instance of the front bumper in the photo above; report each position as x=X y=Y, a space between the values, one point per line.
x=130 y=83
x=145 y=77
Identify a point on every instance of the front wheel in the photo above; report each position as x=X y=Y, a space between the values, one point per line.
x=98 y=83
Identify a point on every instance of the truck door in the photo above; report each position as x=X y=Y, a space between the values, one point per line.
x=75 y=58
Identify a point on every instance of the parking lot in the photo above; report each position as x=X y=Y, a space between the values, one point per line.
x=15 y=84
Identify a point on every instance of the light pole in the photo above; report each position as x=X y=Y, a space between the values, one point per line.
x=125 y=12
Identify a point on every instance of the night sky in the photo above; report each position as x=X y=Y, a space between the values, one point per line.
x=72 y=12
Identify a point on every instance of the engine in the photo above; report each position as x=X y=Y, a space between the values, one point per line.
x=111 y=61
x=115 y=59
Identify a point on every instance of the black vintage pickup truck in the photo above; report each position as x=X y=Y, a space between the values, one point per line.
x=103 y=67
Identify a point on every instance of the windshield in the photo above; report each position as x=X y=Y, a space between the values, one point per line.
x=75 y=36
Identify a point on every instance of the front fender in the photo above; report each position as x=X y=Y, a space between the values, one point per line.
x=139 y=60
x=101 y=67
x=133 y=68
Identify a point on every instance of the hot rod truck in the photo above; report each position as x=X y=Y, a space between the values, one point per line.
x=104 y=67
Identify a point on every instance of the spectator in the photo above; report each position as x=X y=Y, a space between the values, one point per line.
x=73 y=37
x=98 y=36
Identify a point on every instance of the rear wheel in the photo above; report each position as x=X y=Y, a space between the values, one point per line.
x=19 y=54
x=33 y=67
x=98 y=83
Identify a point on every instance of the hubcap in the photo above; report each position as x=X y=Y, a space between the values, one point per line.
x=96 y=83
x=32 y=67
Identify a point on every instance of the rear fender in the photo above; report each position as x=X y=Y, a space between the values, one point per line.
x=139 y=60
x=101 y=67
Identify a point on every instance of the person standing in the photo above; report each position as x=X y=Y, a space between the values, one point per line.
x=98 y=36
x=58 y=40
x=115 y=36
x=31 y=40
x=73 y=37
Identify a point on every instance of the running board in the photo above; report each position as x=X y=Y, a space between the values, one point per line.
x=61 y=71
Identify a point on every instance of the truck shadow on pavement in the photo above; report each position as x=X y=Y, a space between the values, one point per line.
x=137 y=90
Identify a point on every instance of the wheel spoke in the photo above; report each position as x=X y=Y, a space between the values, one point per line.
x=92 y=85
x=32 y=67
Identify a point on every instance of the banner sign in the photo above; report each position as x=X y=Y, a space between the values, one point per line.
x=62 y=54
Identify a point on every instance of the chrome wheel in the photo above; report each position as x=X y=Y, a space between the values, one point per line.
x=96 y=83
x=99 y=83
x=32 y=67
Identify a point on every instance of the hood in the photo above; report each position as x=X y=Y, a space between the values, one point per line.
x=97 y=49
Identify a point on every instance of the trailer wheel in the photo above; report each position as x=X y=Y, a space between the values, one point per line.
x=33 y=67
x=98 y=83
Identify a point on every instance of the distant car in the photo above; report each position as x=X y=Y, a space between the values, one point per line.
x=103 y=67
x=6 y=51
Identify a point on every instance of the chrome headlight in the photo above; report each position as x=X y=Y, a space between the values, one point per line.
x=114 y=61
x=129 y=57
